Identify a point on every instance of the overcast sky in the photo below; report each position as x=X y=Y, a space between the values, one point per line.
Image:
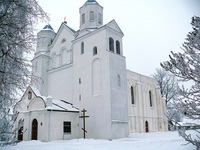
x=152 y=28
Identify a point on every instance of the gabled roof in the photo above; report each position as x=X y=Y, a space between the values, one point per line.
x=49 y=102
x=63 y=25
x=112 y=25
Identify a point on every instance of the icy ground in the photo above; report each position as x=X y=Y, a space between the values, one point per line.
x=136 y=141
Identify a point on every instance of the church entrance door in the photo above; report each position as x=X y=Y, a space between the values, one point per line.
x=146 y=126
x=34 y=129
x=20 y=134
x=20 y=130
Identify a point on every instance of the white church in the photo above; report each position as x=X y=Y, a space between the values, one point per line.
x=86 y=69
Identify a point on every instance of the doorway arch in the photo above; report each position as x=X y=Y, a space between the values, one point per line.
x=34 y=129
x=146 y=126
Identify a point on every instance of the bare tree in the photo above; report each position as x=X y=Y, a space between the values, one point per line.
x=186 y=66
x=167 y=83
x=17 y=19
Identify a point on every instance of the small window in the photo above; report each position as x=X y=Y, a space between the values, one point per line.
x=118 y=80
x=150 y=99
x=117 y=47
x=91 y=16
x=132 y=95
x=95 y=50
x=111 y=44
x=79 y=97
x=29 y=95
x=79 y=80
x=82 y=47
x=66 y=127
x=99 y=18
x=63 y=40
x=83 y=18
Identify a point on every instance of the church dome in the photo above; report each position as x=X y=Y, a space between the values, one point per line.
x=91 y=2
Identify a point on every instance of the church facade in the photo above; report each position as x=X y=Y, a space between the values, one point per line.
x=86 y=69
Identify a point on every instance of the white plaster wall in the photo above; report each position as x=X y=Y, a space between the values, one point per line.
x=141 y=111
x=56 y=125
x=61 y=84
x=98 y=106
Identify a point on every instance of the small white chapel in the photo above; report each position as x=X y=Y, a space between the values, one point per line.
x=80 y=85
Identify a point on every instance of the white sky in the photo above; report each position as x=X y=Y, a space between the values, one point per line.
x=152 y=28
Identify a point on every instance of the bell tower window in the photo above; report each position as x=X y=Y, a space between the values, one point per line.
x=99 y=18
x=83 y=18
x=91 y=16
x=111 y=44
x=117 y=47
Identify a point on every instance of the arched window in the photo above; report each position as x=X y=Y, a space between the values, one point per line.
x=29 y=95
x=95 y=50
x=118 y=80
x=83 y=18
x=132 y=95
x=99 y=18
x=111 y=44
x=82 y=47
x=150 y=99
x=117 y=47
x=91 y=16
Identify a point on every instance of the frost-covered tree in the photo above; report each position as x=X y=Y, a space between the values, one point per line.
x=17 y=19
x=186 y=66
x=167 y=83
x=168 y=86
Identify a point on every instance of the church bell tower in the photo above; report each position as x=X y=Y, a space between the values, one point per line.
x=91 y=15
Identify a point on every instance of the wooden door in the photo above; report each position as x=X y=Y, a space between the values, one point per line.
x=34 y=129
x=20 y=134
x=146 y=126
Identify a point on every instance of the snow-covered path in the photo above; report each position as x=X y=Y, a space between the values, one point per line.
x=136 y=141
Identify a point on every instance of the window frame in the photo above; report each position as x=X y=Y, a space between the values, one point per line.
x=118 y=47
x=99 y=18
x=150 y=99
x=29 y=95
x=92 y=17
x=111 y=45
x=83 y=19
x=132 y=95
x=82 y=47
x=67 y=127
x=94 y=50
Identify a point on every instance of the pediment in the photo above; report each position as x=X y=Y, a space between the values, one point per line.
x=114 y=26
x=64 y=34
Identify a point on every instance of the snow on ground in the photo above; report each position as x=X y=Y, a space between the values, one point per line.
x=136 y=141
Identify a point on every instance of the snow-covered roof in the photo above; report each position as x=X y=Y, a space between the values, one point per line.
x=61 y=105
x=54 y=104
